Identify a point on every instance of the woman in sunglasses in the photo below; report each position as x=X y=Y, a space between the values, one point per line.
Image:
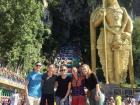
x=63 y=82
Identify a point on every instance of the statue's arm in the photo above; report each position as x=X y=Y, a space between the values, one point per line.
x=129 y=26
x=128 y=29
x=125 y=19
x=96 y=18
x=95 y=21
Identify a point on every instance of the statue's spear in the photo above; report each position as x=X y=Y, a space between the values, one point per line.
x=106 y=67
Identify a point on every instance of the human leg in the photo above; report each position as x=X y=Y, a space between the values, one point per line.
x=66 y=102
x=92 y=100
x=43 y=99
x=29 y=100
x=50 y=99
x=58 y=99
x=36 y=101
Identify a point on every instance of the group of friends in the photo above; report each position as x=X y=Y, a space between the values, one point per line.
x=51 y=87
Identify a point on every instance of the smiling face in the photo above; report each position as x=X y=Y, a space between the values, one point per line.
x=38 y=66
x=51 y=69
x=74 y=70
x=85 y=70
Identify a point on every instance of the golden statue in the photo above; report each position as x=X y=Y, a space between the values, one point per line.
x=114 y=42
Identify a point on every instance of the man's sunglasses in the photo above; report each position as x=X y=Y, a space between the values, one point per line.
x=38 y=65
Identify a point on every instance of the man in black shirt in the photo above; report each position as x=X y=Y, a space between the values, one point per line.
x=48 y=84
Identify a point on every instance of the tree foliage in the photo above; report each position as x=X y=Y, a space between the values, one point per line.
x=136 y=46
x=128 y=4
x=136 y=37
x=21 y=31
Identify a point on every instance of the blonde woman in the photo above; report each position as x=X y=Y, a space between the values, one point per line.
x=91 y=83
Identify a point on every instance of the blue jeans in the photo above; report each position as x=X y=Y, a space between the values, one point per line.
x=92 y=100
x=58 y=101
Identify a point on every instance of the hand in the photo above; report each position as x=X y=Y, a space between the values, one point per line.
x=63 y=99
x=97 y=97
x=116 y=45
x=26 y=94
x=89 y=93
x=125 y=35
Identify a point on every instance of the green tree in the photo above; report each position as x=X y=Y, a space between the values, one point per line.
x=21 y=32
x=128 y=4
x=136 y=37
x=136 y=48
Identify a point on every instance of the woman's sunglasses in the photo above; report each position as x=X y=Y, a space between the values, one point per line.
x=62 y=70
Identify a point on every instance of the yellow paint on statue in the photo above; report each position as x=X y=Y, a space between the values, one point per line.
x=114 y=41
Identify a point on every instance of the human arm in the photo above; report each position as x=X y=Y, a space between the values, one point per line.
x=97 y=88
x=97 y=85
x=26 y=87
x=56 y=84
x=97 y=95
x=44 y=76
x=27 y=82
